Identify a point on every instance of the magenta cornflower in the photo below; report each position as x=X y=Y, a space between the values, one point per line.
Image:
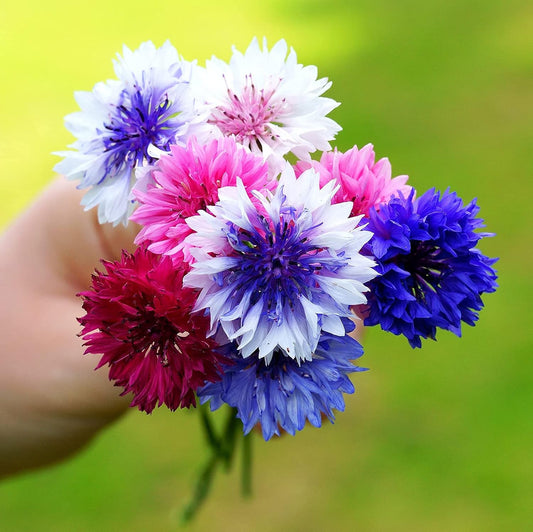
x=187 y=180
x=362 y=181
x=138 y=315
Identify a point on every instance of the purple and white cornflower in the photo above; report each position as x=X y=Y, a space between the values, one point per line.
x=285 y=394
x=277 y=276
x=124 y=123
x=267 y=101
x=432 y=274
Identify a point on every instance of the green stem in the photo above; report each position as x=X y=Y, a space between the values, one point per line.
x=246 y=479
x=201 y=490
x=222 y=449
x=209 y=432
x=228 y=437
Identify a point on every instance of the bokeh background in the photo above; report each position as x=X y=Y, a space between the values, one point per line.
x=436 y=439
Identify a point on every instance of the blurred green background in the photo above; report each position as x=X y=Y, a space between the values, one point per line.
x=436 y=439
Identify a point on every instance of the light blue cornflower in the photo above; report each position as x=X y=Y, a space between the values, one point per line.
x=284 y=395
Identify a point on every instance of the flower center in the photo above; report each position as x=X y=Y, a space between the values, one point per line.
x=153 y=335
x=277 y=264
x=424 y=265
x=249 y=115
x=136 y=124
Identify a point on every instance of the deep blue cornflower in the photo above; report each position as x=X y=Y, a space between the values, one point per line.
x=432 y=274
x=124 y=123
x=284 y=395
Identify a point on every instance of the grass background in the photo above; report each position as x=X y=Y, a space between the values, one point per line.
x=435 y=439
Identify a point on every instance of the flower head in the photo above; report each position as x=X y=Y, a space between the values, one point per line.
x=284 y=394
x=278 y=276
x=432 y=275
x=122 y=121
x=268 y=101
x=138 y=315
x=361 y=180
x=187 y=181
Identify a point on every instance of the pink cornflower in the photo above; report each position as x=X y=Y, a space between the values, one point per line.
x=138 y=317
x=187 y=181
x=362 y=181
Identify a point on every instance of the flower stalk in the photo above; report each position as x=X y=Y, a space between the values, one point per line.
x=222 y=452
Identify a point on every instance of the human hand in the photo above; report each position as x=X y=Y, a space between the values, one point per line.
x=51 y=400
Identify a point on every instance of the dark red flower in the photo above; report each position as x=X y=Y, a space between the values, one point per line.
x=138 y=317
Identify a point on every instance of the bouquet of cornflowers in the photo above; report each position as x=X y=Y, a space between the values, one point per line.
x=254 y=261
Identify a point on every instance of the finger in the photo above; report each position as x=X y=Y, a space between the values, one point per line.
x=66 y=242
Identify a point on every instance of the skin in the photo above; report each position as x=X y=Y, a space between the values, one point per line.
x=51 y=401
